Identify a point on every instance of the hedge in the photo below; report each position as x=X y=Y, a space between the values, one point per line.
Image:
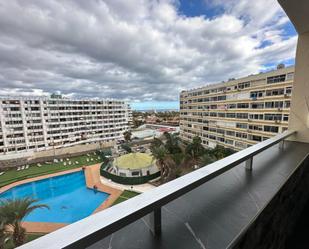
x=129 y=180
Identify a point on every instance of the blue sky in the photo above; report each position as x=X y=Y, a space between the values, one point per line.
x=155 y=105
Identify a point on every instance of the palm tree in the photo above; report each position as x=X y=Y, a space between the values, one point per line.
x=206 y=159
x=4 y=236
x=195 y=149
x=160 y=154
x=171 y=143
x=15 y=211
x=155 y=143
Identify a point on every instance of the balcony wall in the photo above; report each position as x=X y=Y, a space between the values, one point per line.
x=277 y=220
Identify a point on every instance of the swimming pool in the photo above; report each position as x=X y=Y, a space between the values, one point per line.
x=67 y=196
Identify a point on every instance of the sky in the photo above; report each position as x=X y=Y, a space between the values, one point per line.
x=143 y=51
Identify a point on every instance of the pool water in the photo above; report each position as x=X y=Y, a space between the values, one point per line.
x=67 y=196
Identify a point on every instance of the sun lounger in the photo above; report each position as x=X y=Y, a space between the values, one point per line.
x=76 y=162
x=1 y=173
x=22 y=167
x=18 y=169
x=27 y=167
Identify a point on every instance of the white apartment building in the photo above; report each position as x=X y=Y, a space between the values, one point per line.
x=240 y=112
x=40 y=123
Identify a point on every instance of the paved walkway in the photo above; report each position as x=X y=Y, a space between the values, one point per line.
x=137 y=188
x=92 y=175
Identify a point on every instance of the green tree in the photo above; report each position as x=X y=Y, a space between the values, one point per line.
x=195 y=149
x=126 y=147
x=155 y=143
x=206 y=159
x=4 y=235
x=15 y=211
x=171 y=143
x=127 y=136
x=160 y=153
x=220 y=152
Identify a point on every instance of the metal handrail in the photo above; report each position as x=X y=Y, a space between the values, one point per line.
x=97 y=226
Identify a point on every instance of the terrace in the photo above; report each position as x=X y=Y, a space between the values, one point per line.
x=251 y=199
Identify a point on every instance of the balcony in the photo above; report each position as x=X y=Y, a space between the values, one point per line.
x=251 y=199
x=213 y=207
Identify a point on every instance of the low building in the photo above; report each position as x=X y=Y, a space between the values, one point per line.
x=132 y=168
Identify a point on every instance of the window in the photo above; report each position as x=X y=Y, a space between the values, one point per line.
x=287 y=104
x=241 y=125
x=290 y=76
x=242 y=105
x=230 y=115
x=273 y=116
x=256 y=138
x=241 y=135
x=212 y=129
x=242 y=115
x=288 y=90
x=230 y=133
x=276 y=79
x=256 y=127
x=220 y=131
x=274 y=129
x=231 y=106
x=256 y=116
x=258 y=105
x=228 y=141
x=256 y=94
x=243 y=85
x=275 y=92
x=286 y=117
x=212 y=137
x=274 y=104
x=220 y=139
x=221 y=98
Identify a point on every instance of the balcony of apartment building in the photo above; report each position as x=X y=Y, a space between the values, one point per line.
x=255 y=198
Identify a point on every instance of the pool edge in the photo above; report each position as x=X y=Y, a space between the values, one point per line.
x=91 y=179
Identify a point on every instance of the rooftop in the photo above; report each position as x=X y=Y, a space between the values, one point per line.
x=134 y=161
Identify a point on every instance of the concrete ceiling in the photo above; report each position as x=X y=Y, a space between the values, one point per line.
x=298 y=12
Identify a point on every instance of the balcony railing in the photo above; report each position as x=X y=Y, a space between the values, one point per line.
x=96 y=227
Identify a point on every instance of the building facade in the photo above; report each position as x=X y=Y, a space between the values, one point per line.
x=40 y=123
x=238 y=113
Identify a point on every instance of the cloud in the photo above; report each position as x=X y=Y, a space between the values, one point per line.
x=140 y=50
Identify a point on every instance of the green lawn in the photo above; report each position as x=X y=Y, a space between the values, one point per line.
x=29 y=237
x=127 y=194
x=13 y=175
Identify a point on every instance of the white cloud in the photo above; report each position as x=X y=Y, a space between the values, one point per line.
x=137 y=49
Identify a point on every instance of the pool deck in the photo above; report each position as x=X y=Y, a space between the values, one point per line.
x=92 y=175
